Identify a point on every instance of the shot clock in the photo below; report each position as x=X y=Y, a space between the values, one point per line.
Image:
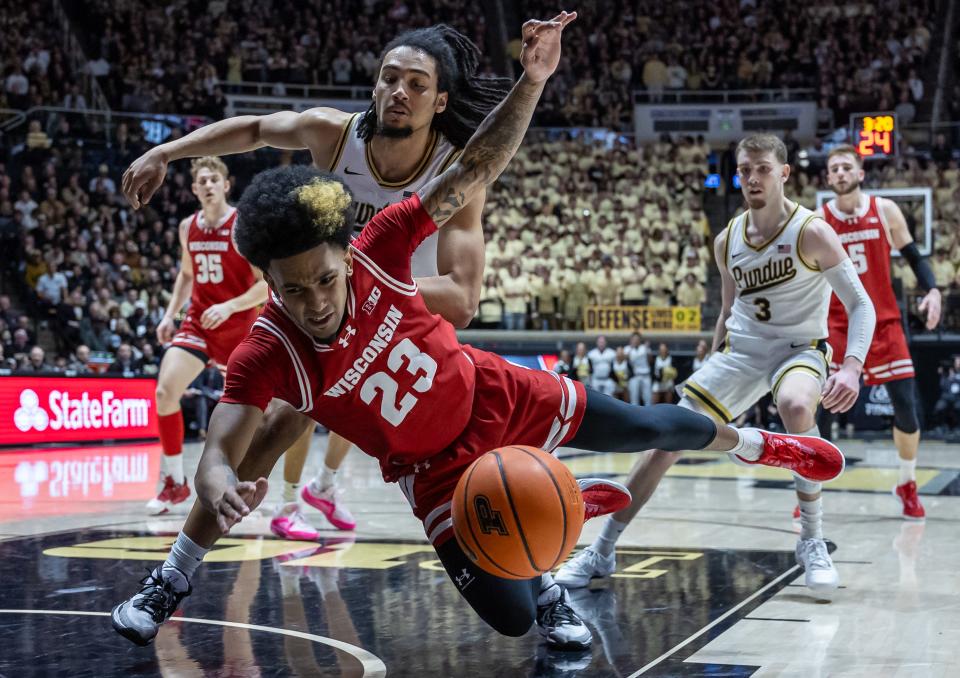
x=874 y=134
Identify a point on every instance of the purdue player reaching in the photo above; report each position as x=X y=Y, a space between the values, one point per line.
x=868 y=227
x=224 y=292
x=426 y=103
x=778 y=262
x=402 y=386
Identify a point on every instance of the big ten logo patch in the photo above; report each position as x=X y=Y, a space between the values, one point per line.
x=371 y=303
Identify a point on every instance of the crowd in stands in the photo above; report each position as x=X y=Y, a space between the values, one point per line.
x=34 y=68
x=856 y=56
x=180 y=58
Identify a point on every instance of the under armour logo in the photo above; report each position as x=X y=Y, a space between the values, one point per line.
x=29 y=415
x=29 y=475
x=348 y=332
x=488 y=519
x=425 y=465
x=463 y=579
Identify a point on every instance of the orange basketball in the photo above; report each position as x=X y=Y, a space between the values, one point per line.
x=517 y=512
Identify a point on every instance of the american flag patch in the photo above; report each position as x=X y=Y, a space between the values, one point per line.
x=784 y=249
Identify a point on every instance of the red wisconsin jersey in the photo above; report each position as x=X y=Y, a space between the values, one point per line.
x=865 y=239
x=219 y=272
x=394 y=381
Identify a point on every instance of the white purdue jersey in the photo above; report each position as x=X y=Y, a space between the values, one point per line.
x=778 y=294
x=353 y=163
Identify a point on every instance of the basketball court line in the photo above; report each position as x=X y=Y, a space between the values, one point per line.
x=373 y=666
x=756 y=594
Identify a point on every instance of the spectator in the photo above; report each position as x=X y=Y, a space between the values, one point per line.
x=946 y=412
x=51 y=286
x=622 y=373
x=664 y=375
x=691 y=292
x=36 y=361
x=515 y=292
x=124 y=363
x=563 y=366
x=640 y=385
x=80 y=360
x=601 y=359
x=149 y=361
x=581 y=369
x=701 y=355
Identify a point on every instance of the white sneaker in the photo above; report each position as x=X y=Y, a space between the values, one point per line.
x=558 y=624
x=586 y=565
x=821 y=575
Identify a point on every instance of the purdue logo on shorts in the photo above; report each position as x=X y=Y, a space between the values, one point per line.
x=488 y=519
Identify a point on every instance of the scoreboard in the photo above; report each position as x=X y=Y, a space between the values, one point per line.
x=874 y=135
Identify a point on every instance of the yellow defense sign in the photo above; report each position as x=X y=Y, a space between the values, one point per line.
x=645 y=318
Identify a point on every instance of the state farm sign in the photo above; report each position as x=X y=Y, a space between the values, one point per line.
x=38 y=410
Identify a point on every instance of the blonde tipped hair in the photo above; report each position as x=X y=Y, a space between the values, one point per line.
x=327 y=202
x=764 y=143
x=209 y=162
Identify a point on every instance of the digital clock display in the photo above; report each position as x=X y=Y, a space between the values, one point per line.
x=874 y=134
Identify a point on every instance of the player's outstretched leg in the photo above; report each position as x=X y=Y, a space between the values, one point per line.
x=610 y=425
x=512 y=606
x=906 y=437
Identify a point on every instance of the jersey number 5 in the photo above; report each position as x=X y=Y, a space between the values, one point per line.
x=404 y=355
x=858 y=256
x=209 y=268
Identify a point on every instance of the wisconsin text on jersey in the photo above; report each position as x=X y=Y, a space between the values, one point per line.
x=375 y=347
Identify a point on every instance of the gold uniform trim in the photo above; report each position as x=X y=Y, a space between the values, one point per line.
x=793 y=368
x=702 y=396
x=726 y=243
x=417 y=171
x=342 y=141
x=760 y=248
x=452 y=158
x=800 y=244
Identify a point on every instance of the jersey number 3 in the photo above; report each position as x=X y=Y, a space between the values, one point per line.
x=404 y=355
x=209 y=268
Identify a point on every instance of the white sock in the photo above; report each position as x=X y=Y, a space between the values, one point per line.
x=548 y=592
x=749 y=446
x=908 y=470
x=285 y=508
x=607 y=539
x=811 y=518
x=324 y=480
x=290 y=492
x=185 y=555
x=172 y=465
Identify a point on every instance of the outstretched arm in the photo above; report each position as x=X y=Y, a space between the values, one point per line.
x=496 y=140
x=901 y=239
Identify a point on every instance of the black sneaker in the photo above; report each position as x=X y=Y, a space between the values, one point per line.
x=139 y=618
x=559 y=625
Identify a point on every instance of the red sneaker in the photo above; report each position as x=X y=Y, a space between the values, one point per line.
x=601 y=497
x=907 y=494
x=171 y=494
x=812 y=458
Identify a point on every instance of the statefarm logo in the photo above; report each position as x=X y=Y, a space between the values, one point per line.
x=65 y=412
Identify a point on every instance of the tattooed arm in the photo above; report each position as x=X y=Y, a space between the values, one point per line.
x=492 y=146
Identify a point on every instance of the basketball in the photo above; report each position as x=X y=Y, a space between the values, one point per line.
x=517 y=512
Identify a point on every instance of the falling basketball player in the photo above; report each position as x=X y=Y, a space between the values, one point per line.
x=224 y=291
x=347 y=339
x=868 y=227
x=778 y=262
x=428 y=99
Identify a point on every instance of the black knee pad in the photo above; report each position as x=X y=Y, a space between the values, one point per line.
x=904 y=400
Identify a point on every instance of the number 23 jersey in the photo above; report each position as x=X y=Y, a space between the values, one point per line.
x=394 y=380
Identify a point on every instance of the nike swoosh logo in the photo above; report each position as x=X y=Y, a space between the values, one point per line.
x=802 y=343
x=346 y=170
x=734 y=256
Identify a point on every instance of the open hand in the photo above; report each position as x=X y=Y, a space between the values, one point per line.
x=841 y=391
x=215 y=316
x=930 y=306
x=144 y=177
x=237 y=502
x=541 y=46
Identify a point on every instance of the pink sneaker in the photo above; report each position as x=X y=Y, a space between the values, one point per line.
x=293 y=525
x=326 y=502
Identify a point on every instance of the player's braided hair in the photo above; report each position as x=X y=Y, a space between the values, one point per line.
x=471 y=96
x=288 y=210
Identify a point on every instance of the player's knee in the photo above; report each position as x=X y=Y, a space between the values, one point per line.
x=795 y=412
x=163 y=393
